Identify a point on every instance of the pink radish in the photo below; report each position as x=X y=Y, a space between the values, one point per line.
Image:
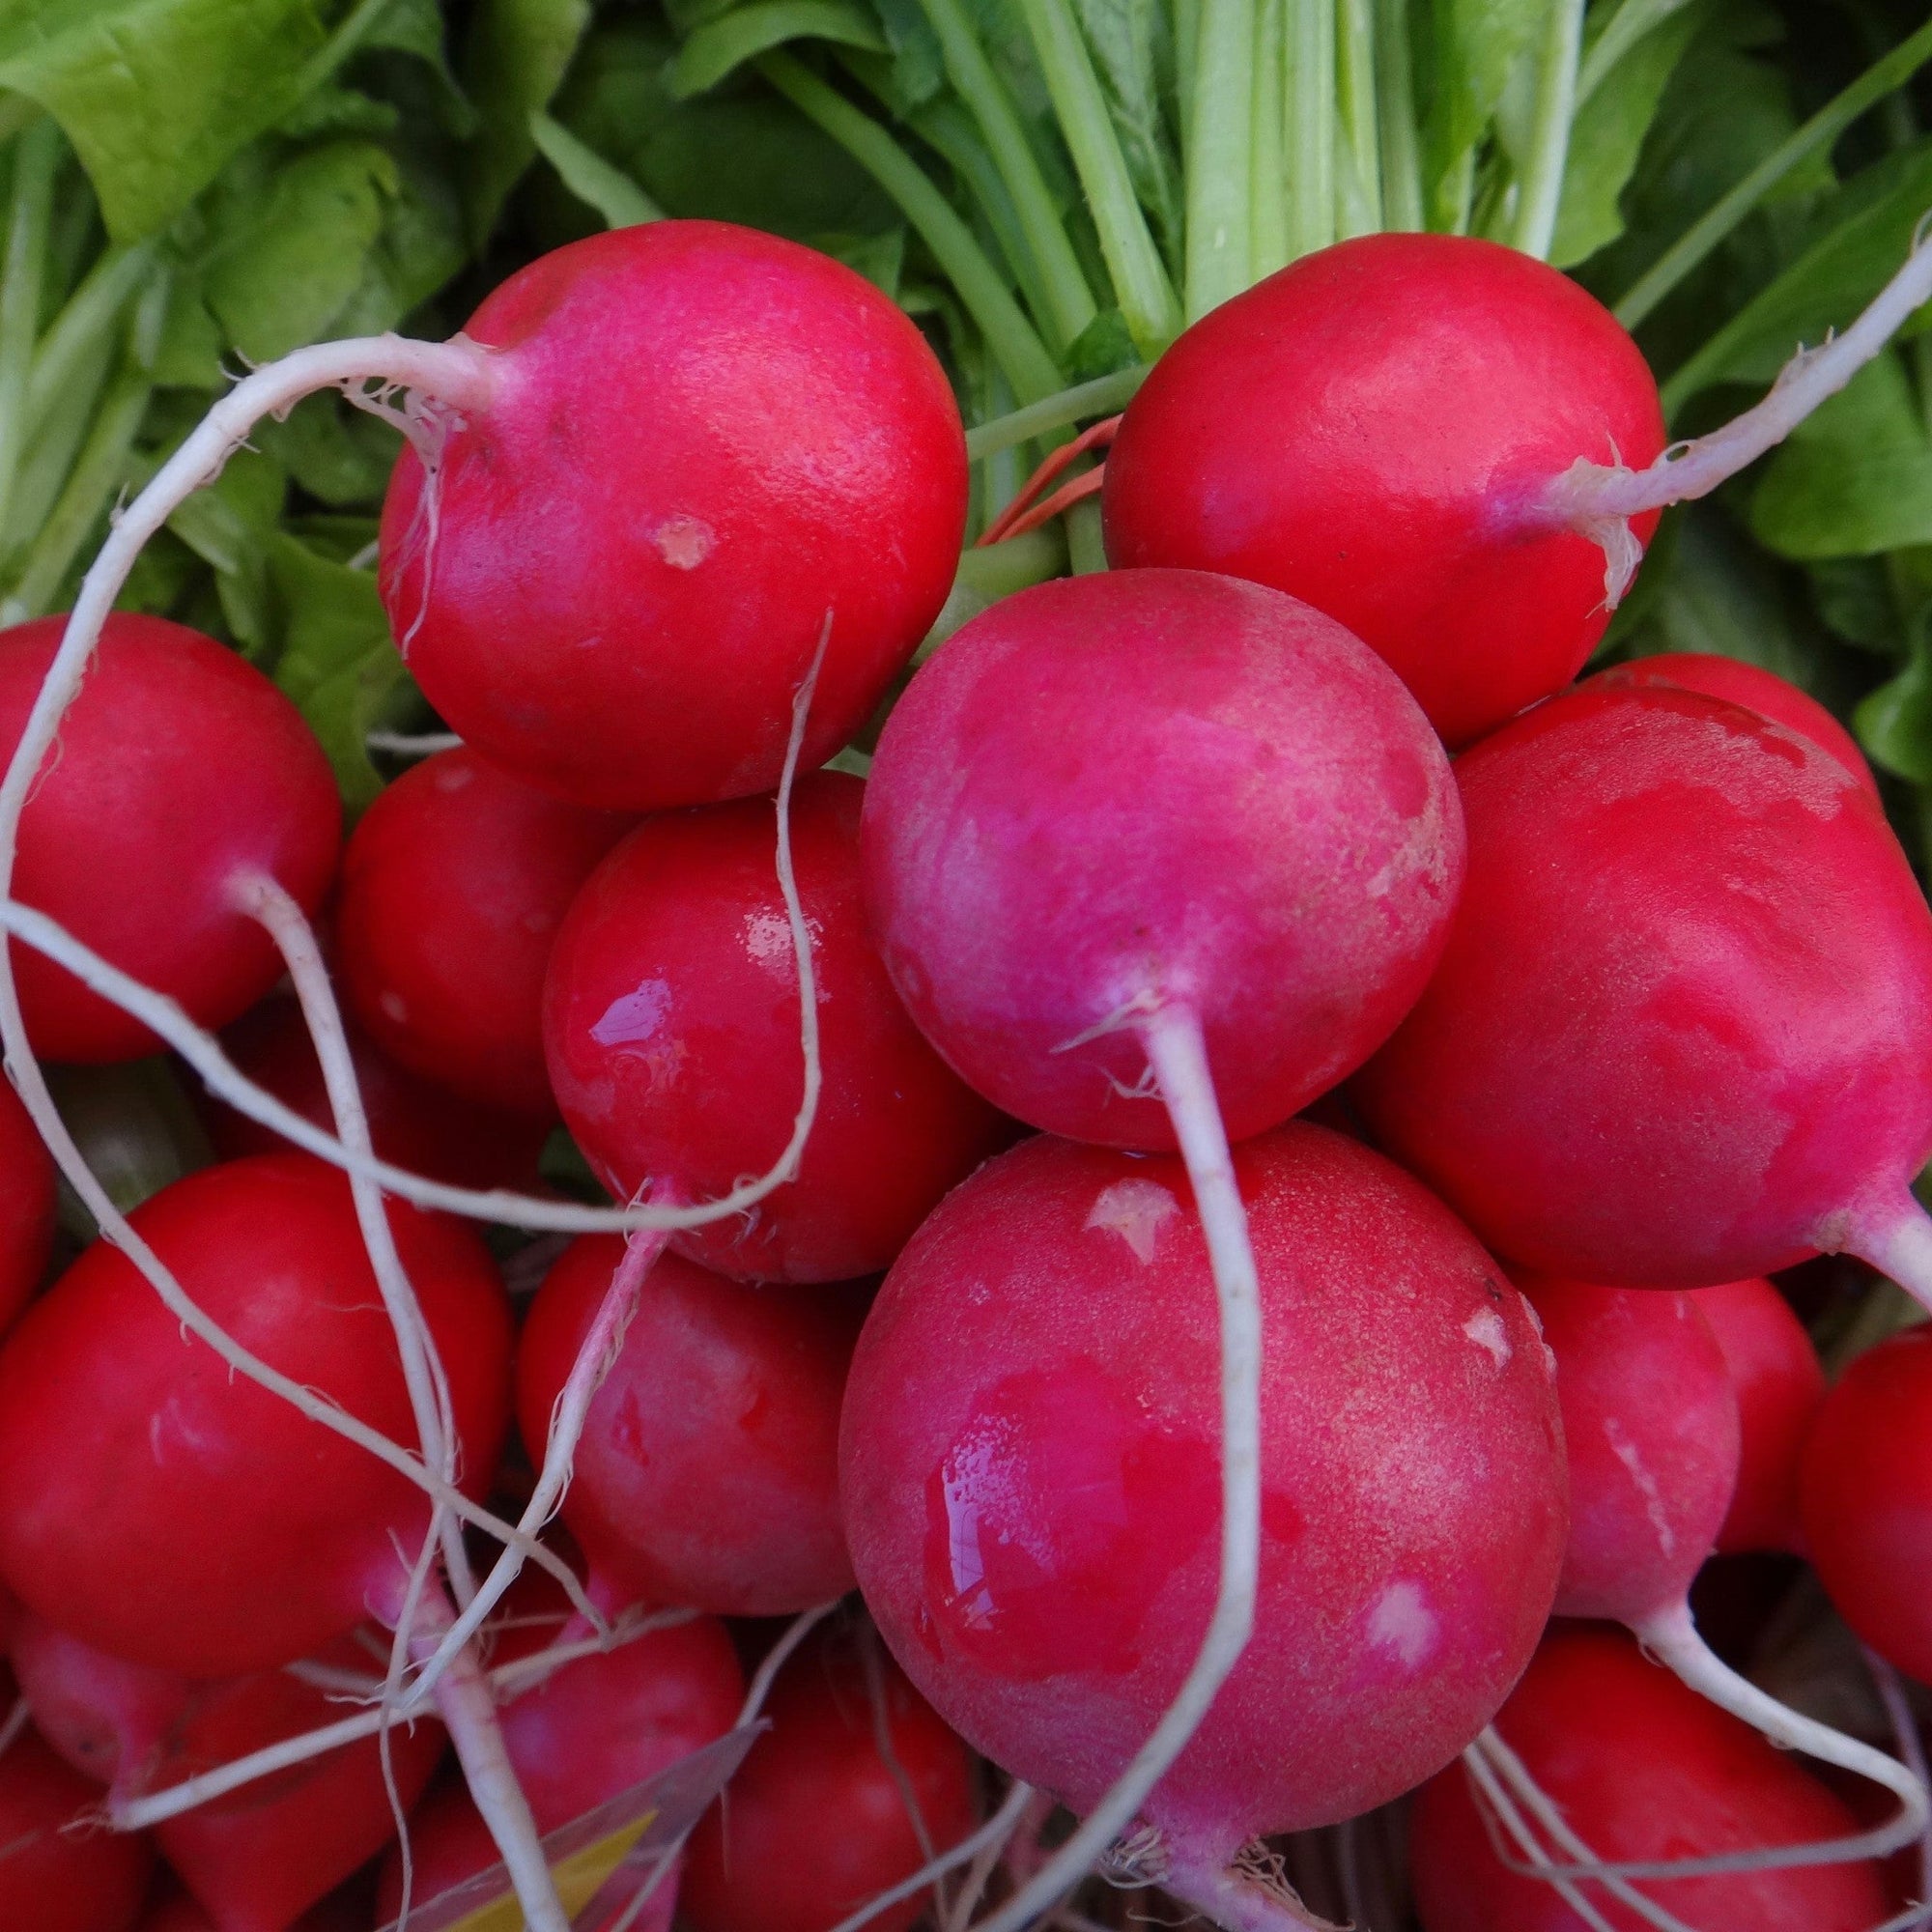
x=53 y=1879
x=672 y=998
x=129 y=840
x=453 y=886
x=708 y=1470
x=820 y=1819
x=1739 y=683
x=256 y=1859
x=26 y=1207
x=1780 y=1387
x=1028 y=1465
x=1643 y=1770
x=1683 y=1030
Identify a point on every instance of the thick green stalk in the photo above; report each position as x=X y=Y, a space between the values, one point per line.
x=340 y=44
x=1086 y=551
x=1141 y=285
x=1818 y=134
x=1186 y=46
x=89 y=317
x=1267 y=182
x=1358 y=161
x=1542 y=182
x=1101 y=397
x=1311 y=125
x=1395 y=114
x=1629 y=24
x=36 y=156
x=53 y=445
x=1070 y=306
x=1009 y=336
x=1219 y=192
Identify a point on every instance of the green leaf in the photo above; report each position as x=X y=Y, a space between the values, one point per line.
x=415 y=27
x=1104 y=345
x=515 y=59
x=1133 y=53
x=1474 y=44
x=1894 y=723
x=1854 y=598
x=336 y=453
x=329 y=109
x=879 y=258
x=1608 y=134
x=226 y=526
x=591 y=178
x=419 y=248
x=289 y=268
x=726 y=43
x=157 y=94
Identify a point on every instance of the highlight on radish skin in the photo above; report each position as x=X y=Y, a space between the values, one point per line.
x=1682 y=1033
x=1048 y=1339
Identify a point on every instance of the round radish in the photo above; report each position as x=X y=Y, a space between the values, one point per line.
x=1779 y=1386
x=180 y=770
x=258 y=1857
x=1029 y=1467
x=707 y=1473
x=671 y=1011
x=26 y=1205
x=199 y=1522
x=1372 y=429
x=1756 y=690
x=1157 y=786
x=818 y=1820
x=701 y=450
x=1641 y=1768
x=1683 y=1030
x=453 y=886
x=53 y=1879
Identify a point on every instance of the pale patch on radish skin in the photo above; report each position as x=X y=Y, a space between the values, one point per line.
x=635 y=1017
x=1136 y=1210
x=1486 y=1330
x=684 y=542
x=1403 y=1626
x=1629 y=1454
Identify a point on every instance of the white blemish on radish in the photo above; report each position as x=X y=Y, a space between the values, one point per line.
x=634 y=1018
x=452 y=776
x=684 y=542
x=1486 y=1330
x=1403 y=1624
x=1631 y=1456
x=394 y=1006
x=1135 y=1210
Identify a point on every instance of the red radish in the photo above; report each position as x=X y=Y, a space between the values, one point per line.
x=1683 y=1030
x=1755 y=689
x=672 y=1006
x=178 y=1912
x=1780 y=1387
x=819 y=1819
x=585 y=1734
x=26 y=1205
x=1866 y=1497
x=416 y=1125
x=1642 y=1770
x=180 y=770
x=198 y=1522
x=1371 y=430
x=258 y=1858
x=1029 y=1471
x=693 y=448
x=453 y=886
x=708 y=1469
x=56 y=1879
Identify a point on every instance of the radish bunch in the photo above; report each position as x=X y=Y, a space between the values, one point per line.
x=1212 y=1474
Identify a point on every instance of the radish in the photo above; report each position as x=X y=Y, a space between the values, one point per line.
x=257 y=1860
x=1425 y=436
x=1642 y=1769
x=671 y=997
x=856 y=1785
x=453 y=886
x=1028 y=1464
x=1780 y=1387
x=26 y=1207
x=1755 y=689
x=1865 y=1492
x=1151 y=856
x=1683 y=1030
x=130 y=842
x=53 y=1879
x=707 y=1473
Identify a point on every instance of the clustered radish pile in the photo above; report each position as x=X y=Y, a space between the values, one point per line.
x=1207 y=1473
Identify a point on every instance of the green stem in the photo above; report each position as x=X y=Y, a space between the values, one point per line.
x=1086 y=551
x=89 y=317
x=1070 y=306
x=1267 y=185
x=1009 y=336
x=341 y=44
x=1186 y=51
x=1456 y=195
x=1817 y=133
x=1395 y=104
x=36 y=156
x=1219 y=192
x=1629 y=24
x=1103 y=396
x=1358 y=158
x=1141 y=287
x=51 y=449
x=1311 y=125
x=1542 y=185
